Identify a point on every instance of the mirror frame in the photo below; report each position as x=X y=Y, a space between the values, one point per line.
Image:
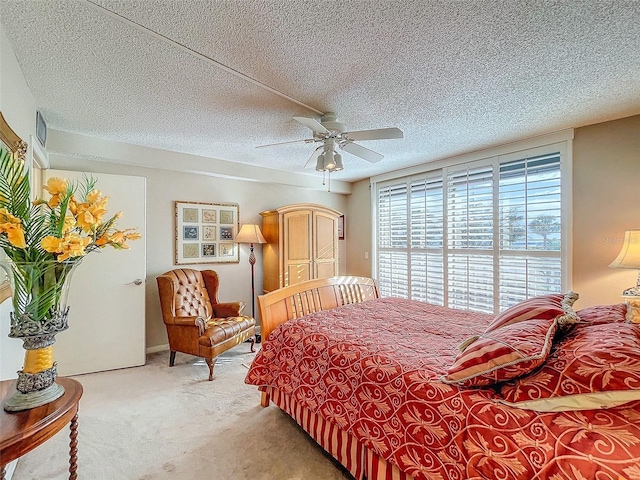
x=18 y=147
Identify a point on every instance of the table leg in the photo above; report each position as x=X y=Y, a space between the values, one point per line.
x=73 y=449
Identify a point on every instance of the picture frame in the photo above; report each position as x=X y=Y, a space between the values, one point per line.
x=205 y=232
x=341 y=227
x=228 y=249
x=209 y=215
x=41 y=129
x=226 y=216
x=190 y=215
x=190 y=232
x=226 y=233
x=208 y=249
x=209 y=233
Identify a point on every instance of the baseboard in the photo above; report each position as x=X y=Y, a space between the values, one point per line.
x=157 y=348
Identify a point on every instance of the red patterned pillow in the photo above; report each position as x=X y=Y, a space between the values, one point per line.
x=594 y=366
x=599 y=314
x=503 y=354
x=554 y=305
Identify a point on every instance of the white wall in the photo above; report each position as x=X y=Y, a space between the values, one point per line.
x=19 y=110
x=16 y=101
x=606 y=202
x=165 y=187
x=358 y=230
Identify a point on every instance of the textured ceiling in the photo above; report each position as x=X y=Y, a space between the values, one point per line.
x=454 y=76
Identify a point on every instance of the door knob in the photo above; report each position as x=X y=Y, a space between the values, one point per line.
x=137 y=281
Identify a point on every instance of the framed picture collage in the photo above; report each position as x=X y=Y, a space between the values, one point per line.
x=205 y=233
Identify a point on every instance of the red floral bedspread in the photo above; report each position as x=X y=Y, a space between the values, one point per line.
x=373 y=369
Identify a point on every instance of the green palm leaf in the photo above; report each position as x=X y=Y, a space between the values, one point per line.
x=14 y=186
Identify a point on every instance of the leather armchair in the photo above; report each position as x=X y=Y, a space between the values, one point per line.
x=197 y=324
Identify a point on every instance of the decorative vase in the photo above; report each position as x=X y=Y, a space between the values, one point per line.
x=40 y=312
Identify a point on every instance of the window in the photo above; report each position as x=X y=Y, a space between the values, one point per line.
x=529 y=232
x=479 y=236
x=469 y=248
x=392 y=228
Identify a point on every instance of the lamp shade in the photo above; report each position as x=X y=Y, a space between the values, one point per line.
x=629 y=256
x=250 y=233
x=338 y=161
x=329 y=163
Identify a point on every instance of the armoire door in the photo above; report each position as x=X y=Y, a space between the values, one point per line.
x=107 y=293
x=325 y=245
x=297 y=247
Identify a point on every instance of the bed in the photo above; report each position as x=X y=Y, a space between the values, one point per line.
x=384 y=387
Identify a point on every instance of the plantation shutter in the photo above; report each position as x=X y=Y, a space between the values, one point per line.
x=480 y=236
x=470 y=238
x=426 y=227
x=530 y=228
x=393 y=268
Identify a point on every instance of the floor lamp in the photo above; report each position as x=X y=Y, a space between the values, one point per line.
x=251 y=234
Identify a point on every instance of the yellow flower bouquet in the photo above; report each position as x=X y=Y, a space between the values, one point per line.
x=44 y=241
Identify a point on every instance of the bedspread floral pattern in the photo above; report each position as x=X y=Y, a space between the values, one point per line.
x=373 y=369
x=593 y=359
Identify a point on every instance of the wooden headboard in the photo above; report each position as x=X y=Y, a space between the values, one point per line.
x=312 y=296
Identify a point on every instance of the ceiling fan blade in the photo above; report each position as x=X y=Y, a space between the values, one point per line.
x=312 y=124
x=314 y=156
x=377 y=134
x=306 y=140
x=360 y=151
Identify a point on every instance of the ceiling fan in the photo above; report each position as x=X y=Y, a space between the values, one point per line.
x=331 y=134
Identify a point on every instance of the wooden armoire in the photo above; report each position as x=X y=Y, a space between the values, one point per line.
x=302 y=244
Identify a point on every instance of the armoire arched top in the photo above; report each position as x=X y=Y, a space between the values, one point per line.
x=302 y=244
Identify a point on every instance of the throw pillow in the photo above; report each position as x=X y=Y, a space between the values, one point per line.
x=599 y=314
x=503 y=354
x=553 y=305
x=594 y=366
x=633 y=310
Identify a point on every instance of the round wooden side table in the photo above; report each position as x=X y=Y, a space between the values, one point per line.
x=21 y=432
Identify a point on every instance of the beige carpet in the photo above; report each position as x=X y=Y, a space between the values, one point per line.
x=156 y=422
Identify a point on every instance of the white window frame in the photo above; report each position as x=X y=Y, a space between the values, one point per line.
x=557 y=142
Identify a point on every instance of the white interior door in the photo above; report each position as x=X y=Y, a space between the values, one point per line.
x=106 y=296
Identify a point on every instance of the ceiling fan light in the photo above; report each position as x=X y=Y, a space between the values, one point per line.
x=320 y=163
x=337 y=158
x=329 y=162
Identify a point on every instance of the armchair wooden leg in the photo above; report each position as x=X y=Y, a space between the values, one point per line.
x=211 y=362
x=172 y=358
x=253 y=343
